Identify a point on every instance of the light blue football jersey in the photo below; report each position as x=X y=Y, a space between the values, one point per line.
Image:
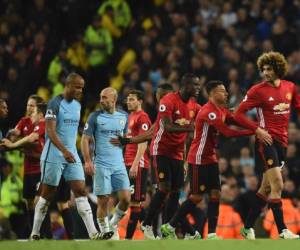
x=67 y=116
x=103 y=126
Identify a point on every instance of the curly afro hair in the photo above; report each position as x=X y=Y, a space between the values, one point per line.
x=276 y=60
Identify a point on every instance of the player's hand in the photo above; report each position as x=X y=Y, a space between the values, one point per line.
x=69 y=156
x=133 y=170
x=33 y=137
x=119 y=141
x=89 y=168
x=264 y=136
x=6 y=143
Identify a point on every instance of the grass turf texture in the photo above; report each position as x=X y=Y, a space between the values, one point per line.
x=152 y=245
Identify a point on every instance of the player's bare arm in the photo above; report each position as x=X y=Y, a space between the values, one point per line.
x=134 y=140
x=85 y=149
x=173 y=128
x=20 y=143
x=139 y=154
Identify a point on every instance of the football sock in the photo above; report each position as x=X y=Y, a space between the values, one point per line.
x=154 y=206
x=212 y=214
x=183 y=210
x=171 y=207
x=276 y=206
x=118 y=215
x=258 y=205
x=132 y=222
x=68 y=222
x=85 y=211
x=103 y=224
x=46 y=231
x=187 y=227
x=40 y=212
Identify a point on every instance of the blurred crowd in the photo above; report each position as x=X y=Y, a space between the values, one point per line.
x=140 y=44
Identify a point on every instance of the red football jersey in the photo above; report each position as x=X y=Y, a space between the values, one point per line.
x=32 y=156
x=182 y=114
x=273 y=106
x=209 y=121
x=138 y=123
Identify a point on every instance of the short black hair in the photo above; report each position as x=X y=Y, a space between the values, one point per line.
x=187 y=78
x=209 y=86
x=165 y=86
x=139 y=94
x=42 y=107
x=71 y=77
x=37 y=98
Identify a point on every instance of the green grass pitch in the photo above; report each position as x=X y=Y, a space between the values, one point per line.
x=153 y=245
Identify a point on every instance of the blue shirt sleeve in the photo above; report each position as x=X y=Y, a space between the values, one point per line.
x=90 y=126
x=53 y=108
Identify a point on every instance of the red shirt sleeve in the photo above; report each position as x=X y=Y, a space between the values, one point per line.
x=166 y=107
x=20 y=125
x=41 y=132
x=296 y=99
x=231 y=119
x=144 y=124
x=215 y=119
x=250 y=101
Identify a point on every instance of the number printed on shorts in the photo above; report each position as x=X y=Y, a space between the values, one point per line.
x=132 y=189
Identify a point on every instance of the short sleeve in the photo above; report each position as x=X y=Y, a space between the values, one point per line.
x=53 y=108
x=211 y=117
x=20 y=125
x=144 y=124
x=90 y=126
x=40 y=129
x=250 y=101
x=166 y=107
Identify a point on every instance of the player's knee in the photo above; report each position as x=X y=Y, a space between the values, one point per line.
x=79 y=192
x=125 y=201
x=49 y=196
x=195 y=198
x=103 y=200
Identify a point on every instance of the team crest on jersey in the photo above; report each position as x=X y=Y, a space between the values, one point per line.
x=86 y=126
x=162 y=108
x=161 y=175
x=289 y=96
x=281 y=106
x=212 y=116
x=270 y=162
x=202 y=188
x=145 y=126
x=182 y=122
x=122 y=122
